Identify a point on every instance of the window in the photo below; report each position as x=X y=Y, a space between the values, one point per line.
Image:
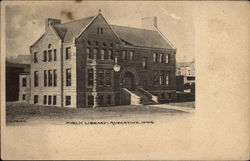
x=35 y=99
x=100 y=100
x=131 y=55
x=95 y=52
x=161 y=58
x=55 y=55
x=89 y=54
x=99 y=30
x=161 y=78
x=54 y=100
x=90 y=77
x=96 y=43
x=35 y=57
x=106 y=54
x=162 y=96
x=68 y=100
x=104 y=44
x=45 y=99
x=50 y=55
x=55 y=78
x=68 y=77
x=24 y=96
x=36 y=78
x=124 y=55
x=167 y=58
x=155 y=57
x=167 y=78
x=109 y=99
x=49 y=46
x=101 y=77
x=90 y=100
x=24 y=82
x=155 y=78
x=111 y=44
x=102 y=54
x=68 y=52
x=44 y=55
x=110 y=54
x=50 y=78
x=89 y=42
x=50 y=100
x=144 y=62
x=108 y=78
x=45 y=79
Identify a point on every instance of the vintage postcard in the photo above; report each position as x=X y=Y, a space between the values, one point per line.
x=126 y=80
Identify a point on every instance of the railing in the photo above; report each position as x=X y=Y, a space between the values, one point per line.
x=153 y=97
x=133 y=98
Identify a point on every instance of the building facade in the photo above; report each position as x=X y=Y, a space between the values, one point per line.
x=89 y=63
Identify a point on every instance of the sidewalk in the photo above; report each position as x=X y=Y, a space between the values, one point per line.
x=175 y=107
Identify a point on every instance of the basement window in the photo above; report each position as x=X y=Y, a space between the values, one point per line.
x=24 y=96
x=68 y=100
x=35 y=99
x=109 y=99
x=54 y=100
x=100 y=99
x=45 y=99
x=50 y=100
x=90 y=100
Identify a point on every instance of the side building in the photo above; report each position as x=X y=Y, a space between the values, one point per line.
x=89 y=63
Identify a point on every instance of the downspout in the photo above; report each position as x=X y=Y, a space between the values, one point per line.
x=62 y=78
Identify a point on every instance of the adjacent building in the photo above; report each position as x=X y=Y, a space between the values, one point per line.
x=89 y=62
x=185 y=76
x=14 y=68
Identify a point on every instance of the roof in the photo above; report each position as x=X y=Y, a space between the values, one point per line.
x=68 y=31
x=140 y=37
x=20 y=59
x=129 y=35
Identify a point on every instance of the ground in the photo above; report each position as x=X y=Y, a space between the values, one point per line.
x=23 y=113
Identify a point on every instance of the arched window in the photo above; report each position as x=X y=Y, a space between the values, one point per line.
x=49 y=46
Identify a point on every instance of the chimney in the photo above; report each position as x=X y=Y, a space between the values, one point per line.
x=51 y=21
x=149 y=23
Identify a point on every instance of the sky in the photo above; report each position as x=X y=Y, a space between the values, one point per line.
x=25 y=23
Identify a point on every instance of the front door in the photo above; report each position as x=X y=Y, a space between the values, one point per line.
x=129 y=81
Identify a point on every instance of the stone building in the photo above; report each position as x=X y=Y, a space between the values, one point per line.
x=89 y=62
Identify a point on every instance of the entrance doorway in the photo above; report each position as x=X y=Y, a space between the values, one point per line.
x=128 y=81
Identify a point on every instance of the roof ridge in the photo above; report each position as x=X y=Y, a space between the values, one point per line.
x=58 y=25
x=132 y=27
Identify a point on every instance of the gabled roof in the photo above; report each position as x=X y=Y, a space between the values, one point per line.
x=140 y=37
x=68 y=31
x=130 y=36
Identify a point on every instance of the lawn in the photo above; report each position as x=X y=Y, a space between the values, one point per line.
x=27 y=113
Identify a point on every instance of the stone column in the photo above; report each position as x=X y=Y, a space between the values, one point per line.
x=94 y=90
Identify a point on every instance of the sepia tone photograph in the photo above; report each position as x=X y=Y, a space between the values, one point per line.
x=124 y=80
x=96 y=64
